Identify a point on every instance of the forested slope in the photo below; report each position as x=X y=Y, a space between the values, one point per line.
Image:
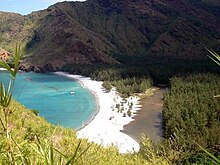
x=192 y=115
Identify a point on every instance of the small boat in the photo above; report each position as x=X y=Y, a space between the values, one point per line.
x=72 y=93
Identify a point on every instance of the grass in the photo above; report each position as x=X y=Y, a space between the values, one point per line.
x=35 y=141
x=148 y=93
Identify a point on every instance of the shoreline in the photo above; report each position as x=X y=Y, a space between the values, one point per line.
x=77 y=78
x=106 y=127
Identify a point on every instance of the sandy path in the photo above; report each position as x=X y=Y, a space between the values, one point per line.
x=148 y=120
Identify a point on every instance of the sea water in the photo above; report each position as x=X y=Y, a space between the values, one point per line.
x=60 y=100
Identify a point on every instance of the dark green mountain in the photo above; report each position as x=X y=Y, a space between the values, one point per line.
x=104 y=31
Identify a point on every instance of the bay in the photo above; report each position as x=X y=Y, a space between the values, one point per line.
x=60 y=100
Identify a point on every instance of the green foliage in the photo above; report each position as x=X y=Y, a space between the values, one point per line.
x=156 y=155
x=217 y=161
x=127 y=80
x=215 y=58
x=6 y=93
x=191 y=113
x=35 y=141
x=13 y=71
x=107 y=85
x=160 y=70
x=129 y=86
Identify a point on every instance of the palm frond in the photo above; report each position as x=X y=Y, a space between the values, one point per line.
x=215 y=58
x=215 y=159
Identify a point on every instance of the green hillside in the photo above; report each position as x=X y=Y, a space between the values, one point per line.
x=34 y=141
x=104 y=32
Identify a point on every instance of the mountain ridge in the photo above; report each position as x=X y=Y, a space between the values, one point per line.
x=98 y=31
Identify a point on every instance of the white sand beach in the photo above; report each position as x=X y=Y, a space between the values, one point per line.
x=105 y=128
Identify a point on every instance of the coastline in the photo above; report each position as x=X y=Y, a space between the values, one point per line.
x=105 y=128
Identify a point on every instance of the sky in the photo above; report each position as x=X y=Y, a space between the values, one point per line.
x=27 y=6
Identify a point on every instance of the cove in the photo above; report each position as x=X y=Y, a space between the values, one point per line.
x=60 y=100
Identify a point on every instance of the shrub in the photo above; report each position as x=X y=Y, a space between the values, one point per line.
x=107 y=86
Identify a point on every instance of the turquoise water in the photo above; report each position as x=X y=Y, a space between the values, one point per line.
x=50 y=95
